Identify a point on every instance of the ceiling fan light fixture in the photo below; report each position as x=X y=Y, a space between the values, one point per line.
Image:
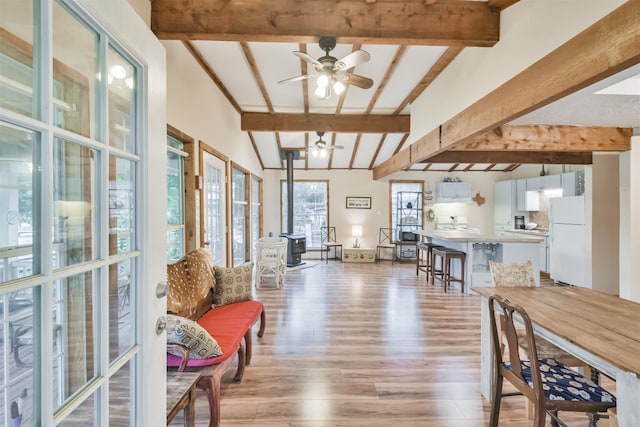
x=323 y=80
x=338 y=87
x=323 y=92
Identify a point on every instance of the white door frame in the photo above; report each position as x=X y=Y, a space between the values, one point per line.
x=125 y=26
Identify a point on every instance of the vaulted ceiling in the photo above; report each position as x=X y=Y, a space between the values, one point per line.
x=246 y=47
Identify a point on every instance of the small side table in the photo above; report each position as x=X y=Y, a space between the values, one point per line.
x=181 y=394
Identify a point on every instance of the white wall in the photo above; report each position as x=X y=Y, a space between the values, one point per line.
x=529 y=30
x=344 y=183
x=143 y=9
x=197 y=107
x=602 y=212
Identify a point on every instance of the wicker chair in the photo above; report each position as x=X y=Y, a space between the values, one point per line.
x=271 y=260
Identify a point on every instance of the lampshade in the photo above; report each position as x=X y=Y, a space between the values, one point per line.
x=356 y=230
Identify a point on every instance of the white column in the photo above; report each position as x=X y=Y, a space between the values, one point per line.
x=629 y=227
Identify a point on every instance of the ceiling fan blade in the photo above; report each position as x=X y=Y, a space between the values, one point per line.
x=310 y=59
x=295 y=79
x=351 y=60
x=339 y=147
x=357 y=80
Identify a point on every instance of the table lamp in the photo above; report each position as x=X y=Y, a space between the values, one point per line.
x=356 y=231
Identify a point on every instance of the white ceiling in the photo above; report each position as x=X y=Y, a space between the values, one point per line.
x=249 y=74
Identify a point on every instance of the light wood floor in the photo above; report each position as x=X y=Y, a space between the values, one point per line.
x=366 y=345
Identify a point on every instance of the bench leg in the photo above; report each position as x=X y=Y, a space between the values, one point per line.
x=263 y=323
x=241 y=364
x=248 y=343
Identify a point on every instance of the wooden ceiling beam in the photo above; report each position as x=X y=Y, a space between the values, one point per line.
x=351 y=21
x=524 y=157
x=373 y=123
x=550 y=138
x=576 y=64
x=393 y=164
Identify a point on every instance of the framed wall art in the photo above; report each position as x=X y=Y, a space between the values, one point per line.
x=358 y=202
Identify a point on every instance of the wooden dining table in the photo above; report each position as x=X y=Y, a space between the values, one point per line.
x=601 y=329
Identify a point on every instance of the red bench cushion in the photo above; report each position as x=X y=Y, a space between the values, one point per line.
x=227 y=324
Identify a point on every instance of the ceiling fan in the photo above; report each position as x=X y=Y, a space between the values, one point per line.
x=333 y=74
x=321 y=148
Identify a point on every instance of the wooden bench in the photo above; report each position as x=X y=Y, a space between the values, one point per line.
x=218 y=300
x=231 y=326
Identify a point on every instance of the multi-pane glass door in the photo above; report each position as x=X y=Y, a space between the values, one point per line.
x=70 y=229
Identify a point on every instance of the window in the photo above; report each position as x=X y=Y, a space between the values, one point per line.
x=240 y=232
x=395 y=187
x=256 y=209
x=175 y=200
x=310 y=209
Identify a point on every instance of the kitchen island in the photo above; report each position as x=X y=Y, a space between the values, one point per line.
x=482 y=248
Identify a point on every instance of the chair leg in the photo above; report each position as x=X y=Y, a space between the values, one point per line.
x=495 y=402
x=211 y=386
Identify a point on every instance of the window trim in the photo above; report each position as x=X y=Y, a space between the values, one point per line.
x=247 y=218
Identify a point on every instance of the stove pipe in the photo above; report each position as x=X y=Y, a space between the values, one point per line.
x=290 y=155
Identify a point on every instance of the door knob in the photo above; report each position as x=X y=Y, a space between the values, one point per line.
x=162 y=289
x=161 y=324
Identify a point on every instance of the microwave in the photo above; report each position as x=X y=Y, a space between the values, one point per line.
x=408 y=236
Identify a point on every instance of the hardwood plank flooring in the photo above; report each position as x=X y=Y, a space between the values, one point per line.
x=355 y=345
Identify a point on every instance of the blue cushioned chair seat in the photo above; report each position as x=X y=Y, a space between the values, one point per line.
x=562 y=383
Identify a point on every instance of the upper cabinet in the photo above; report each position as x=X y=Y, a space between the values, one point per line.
x=572 y=184
x=504 y=205
x=453 y=192
x=547 y=182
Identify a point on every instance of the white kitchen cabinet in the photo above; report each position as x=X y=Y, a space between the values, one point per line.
x=572 y=184
x=504 y=206
x=521 y=194
x=453 y=192
x=552 y=182
x=535 y=184
x=543 y=257
x=547 y=182
x=526 y=200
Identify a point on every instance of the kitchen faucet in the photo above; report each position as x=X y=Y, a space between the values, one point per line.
x=454 y=220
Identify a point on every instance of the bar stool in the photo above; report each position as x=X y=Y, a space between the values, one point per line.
x=428 y=265
x=447 y=256
x=422 y=258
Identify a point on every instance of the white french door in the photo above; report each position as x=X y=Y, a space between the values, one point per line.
x=214 y=202
x=79 y=250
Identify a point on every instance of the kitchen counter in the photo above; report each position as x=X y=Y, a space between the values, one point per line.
x=482 y=248
x=462 y=236
x=543 y=233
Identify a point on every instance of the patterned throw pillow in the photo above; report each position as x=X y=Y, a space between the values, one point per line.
x=188 y=333
x=190 y=282
x=233 y=284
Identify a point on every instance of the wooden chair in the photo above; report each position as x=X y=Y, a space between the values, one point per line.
x=550 y=385
x=328 y=242
x=386 y=241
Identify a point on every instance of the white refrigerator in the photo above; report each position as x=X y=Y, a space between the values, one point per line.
x=568 y=240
